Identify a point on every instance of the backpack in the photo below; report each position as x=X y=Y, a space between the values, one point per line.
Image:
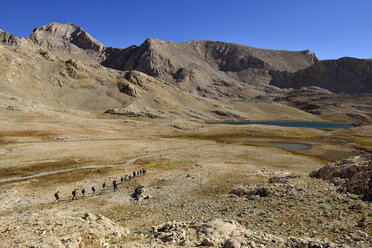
x=56 y=195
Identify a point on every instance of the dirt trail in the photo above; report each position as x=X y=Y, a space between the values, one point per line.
x=46 y=173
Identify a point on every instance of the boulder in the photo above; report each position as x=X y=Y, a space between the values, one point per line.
x=127 y=88
x=354 y=175
x=139 y=193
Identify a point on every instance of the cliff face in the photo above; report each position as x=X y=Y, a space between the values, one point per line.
x=345 y=75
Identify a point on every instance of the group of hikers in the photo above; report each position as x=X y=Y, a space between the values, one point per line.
x=114 y=185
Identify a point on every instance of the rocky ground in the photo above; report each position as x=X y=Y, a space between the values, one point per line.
x=198 y=190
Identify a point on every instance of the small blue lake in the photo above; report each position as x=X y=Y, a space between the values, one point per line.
x=328 y=125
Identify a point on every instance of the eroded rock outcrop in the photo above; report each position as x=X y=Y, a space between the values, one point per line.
x=353 y=175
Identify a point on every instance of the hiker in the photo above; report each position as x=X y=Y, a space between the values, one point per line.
x=103 y=186
x=93 y=189
x=74 y=196
x=115 y=184
x=122 y=179
x=125 y=178
x=144 y=171
x=83 y=192
x=56 y=195
x=134 y=174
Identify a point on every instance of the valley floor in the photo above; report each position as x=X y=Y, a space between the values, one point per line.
x=192 y=169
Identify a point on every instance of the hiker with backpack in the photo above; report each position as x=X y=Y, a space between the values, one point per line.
x=74 y=196
x=56 y=195
x=115 y=184
x=83 y=192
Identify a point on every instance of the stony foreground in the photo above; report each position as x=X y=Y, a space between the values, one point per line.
x=285 y=211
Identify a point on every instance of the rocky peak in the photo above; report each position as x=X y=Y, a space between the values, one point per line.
x=311 y=56
x=64 y=38
x=8 y=39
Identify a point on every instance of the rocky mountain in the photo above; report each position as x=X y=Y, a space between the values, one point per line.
x=344 y=75
x=64 y=37
x=206 y=63
x=61 y=61
x=208 y=68
x=67 y=40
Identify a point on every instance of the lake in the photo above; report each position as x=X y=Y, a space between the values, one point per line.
x=328 y=125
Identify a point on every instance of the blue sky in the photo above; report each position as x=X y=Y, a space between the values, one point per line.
x=330 y=28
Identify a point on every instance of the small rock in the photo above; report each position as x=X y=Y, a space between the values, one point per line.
x=207 y=242
x=90 y=216
x=232 y=243
x=148 y=197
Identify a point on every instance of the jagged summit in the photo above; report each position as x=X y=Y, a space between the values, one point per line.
x=8 y=39
x=64 y=38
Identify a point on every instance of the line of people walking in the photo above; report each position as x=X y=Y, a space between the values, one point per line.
x=114 y=185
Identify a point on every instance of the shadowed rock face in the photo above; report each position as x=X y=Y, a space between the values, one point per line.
x=355 y=108
x=347 y=75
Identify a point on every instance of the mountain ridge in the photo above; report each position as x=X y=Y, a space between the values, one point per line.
x=61 y=61
x=346 y=74
x=207 y=68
